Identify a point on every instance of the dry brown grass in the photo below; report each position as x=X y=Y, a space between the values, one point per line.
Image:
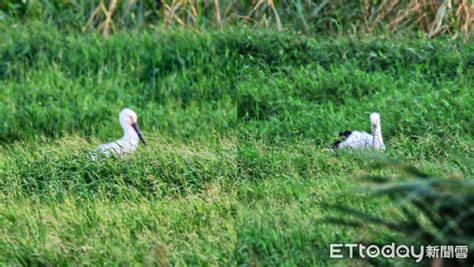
x=433 y=17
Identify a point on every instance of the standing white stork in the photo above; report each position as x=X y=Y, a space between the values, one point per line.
x=356 y=139
x=129 y=142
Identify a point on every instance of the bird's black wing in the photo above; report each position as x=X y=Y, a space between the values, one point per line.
x=342 y=137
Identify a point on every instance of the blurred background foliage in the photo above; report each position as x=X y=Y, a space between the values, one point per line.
x=431 y=17
x=435 y=210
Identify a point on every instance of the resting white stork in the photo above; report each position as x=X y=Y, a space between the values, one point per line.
x=129 y=142
x=357 y=140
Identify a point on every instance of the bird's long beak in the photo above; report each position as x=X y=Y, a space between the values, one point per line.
x=135 y=127
x=374 y=132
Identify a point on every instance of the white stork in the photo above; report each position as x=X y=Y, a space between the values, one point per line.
x=129 y=142
x=357 y=140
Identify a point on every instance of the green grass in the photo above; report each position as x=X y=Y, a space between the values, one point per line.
x=238 y=122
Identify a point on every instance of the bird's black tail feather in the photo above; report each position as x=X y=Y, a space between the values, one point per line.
x=343 y=136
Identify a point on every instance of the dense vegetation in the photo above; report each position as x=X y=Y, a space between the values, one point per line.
x=238 y=122
x=329 y=17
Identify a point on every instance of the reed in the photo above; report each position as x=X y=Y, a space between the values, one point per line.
x=432 y=17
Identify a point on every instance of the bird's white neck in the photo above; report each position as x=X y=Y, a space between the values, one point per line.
x=129 y=133
x=378 y=141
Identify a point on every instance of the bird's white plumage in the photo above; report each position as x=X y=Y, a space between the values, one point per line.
x=358 y=139
x=129 y=142
x=119 y=147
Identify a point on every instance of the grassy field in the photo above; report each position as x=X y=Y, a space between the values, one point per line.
x=238 y=122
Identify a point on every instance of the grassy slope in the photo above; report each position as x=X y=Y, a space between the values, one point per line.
x=237 y=124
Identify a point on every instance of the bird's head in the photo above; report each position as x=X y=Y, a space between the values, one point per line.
x=374 y=120
x=129 y=118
